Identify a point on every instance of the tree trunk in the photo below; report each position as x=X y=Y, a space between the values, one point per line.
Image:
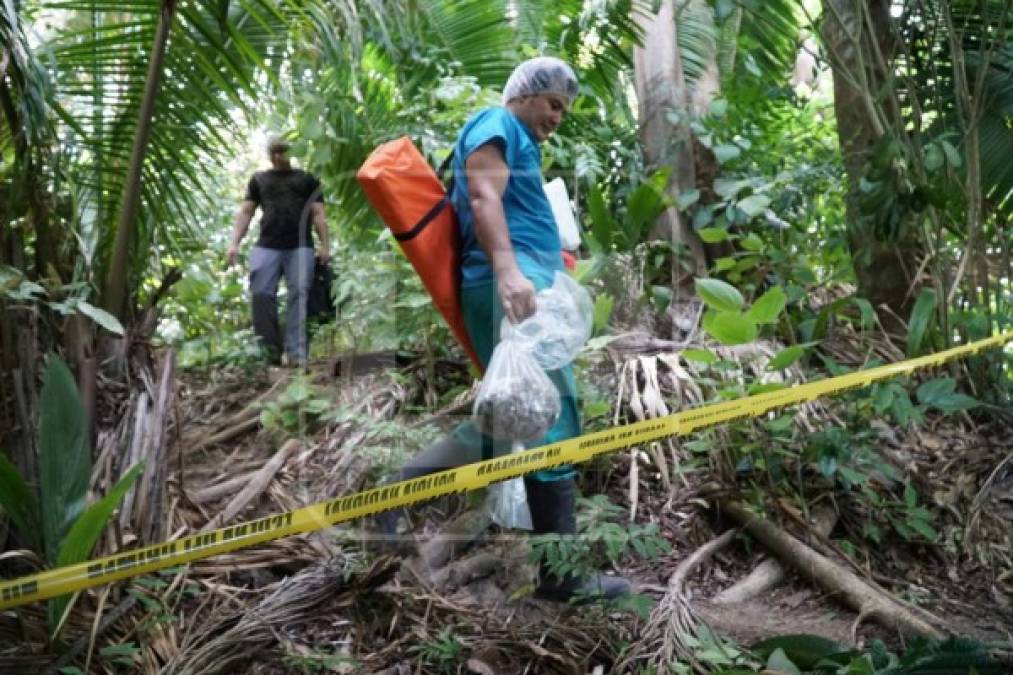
x=116 y=291
x=664 y=127
x=884 y=269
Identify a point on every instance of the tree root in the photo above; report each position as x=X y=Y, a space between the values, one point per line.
x=856 y=593
x=770 y=572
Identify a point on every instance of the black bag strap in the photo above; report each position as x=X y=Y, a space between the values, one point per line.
x=446 y=176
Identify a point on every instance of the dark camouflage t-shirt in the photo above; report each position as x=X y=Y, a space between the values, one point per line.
x=285 y=197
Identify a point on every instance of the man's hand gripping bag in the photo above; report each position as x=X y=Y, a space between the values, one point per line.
x=413 y=203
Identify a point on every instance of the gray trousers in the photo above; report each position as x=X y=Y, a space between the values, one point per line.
x=266 y=267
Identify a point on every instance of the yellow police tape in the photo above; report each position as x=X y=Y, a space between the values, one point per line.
x=87 y=574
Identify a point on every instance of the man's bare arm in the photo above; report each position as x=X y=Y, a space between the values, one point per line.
x=487 y=179
x=240 y=225
x=323 y=236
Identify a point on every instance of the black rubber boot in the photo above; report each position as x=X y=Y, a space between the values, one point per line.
x=553 y=509
x=445 y=453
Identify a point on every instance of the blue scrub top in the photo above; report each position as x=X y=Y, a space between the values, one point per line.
x=533 y=231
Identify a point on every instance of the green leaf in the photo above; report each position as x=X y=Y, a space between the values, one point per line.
x=18 y=502
x=768 y=306
x=935 y=389
x=933 y=157
x=101 y=317
x=805 y=651
x=726 y=152
x=688 y=197
x=719 y=107
x=85 y=531
x=923 y=528
x=778 y=662
x=661 y=296
x=603 y=227
x=713 y=235
x=910 y=496
x=603 y=304
x=719 y=295
x=699 y=355
x=921 y=317
x=81 y=538
x=64 y=455
x=952 y=156
x=753 y=205
x=941 y=393
x=730 y=328
x=786 y=357
x=752 y=242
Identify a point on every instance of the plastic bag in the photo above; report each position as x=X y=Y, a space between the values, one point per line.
x=560 y=326
x=517 y=401
x=562 y=211
x=507 y=502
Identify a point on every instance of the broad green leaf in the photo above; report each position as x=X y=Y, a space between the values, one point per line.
x=778 y=662
x=85 y=531
x=713 y=235
x=786 y=357
x=923 y=528
x=18 y=502
x=933 y=157
x=805 y=651
x=730 y=328
x=726 y=152
x=768 y=306
x=645 y=204
x=719 y=107
x=719 y=295
x=867 y=312
x=603 y=304
x=952 y=156
x=910 y=496
x=941 y=393
x=101 y=317
x=921 y=317
x=932 y=390
x=661 y=296
x=753 y=205
x=688 y=197
x=728 y=188
x=752 y=242
x=603 y=227
x=699 y=355
x=64 y=455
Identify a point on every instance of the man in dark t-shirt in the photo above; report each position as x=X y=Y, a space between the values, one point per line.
x=290 y=200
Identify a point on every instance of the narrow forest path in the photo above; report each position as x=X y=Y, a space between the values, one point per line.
x=467 y=605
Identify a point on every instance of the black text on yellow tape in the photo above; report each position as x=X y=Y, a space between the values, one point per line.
x=71 y=578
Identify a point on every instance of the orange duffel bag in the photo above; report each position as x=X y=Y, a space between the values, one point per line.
x=412 y=201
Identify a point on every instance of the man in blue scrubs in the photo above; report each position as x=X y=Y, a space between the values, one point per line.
x=510 y=250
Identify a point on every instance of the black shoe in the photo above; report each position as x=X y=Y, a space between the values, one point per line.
x=595 y=587
x=552 y=505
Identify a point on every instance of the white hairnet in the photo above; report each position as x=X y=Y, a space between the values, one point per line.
x=541 y=75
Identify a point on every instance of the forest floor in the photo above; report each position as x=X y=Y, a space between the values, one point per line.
x=325 y=602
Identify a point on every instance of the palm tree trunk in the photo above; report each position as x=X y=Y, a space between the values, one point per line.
x=664 y=124
x=116 y=291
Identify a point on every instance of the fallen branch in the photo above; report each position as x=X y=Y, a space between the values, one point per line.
x=830 y=576
x=257 y=484
x=770 y=572
x=663 y=640
x=213 y=493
